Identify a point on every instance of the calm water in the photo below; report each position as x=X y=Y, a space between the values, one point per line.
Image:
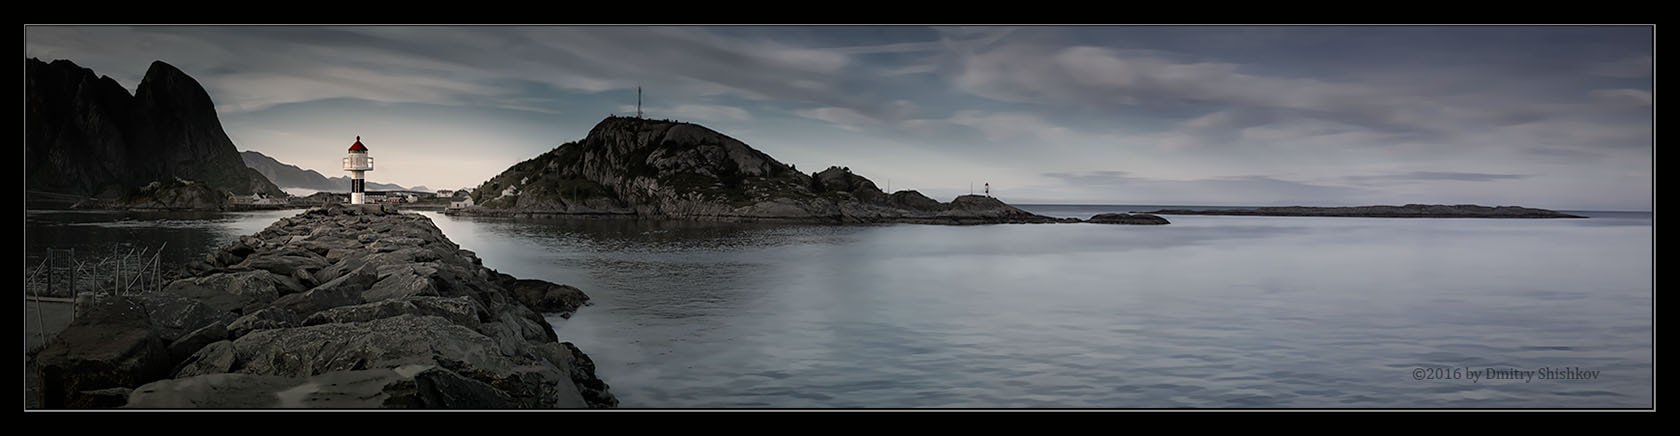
x=1209 y=311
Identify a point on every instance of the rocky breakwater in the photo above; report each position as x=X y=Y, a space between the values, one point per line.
x=342 y=306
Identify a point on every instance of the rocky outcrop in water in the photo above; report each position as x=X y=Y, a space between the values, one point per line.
x=632 y=167
x=355 y=307
x=1127 y=218
x=86 y=136
x=174 y=195
x=1407 y=211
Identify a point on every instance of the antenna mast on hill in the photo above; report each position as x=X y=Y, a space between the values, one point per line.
x=638 y=102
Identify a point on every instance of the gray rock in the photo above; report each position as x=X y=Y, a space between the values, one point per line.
x=174 y=316
x=547 y=297
x=270 y=318
x=186 y=345
x=216 y=358
x=409 y=386
x=461 y=310
x=393 y=342
x=346 y=290
x=286 y=262
x=110 y=344
x=237 y=292
x=592 y=388
x=107 y=398
x=387 y=342
x=403 y=281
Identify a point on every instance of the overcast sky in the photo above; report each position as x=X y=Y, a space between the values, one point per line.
x=1551 y=117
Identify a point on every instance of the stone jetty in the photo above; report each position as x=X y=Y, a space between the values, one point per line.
x=336 y=307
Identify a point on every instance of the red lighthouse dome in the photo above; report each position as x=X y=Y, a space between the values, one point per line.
x=358 y=145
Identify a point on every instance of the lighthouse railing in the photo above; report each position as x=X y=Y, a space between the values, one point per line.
x=358 y=163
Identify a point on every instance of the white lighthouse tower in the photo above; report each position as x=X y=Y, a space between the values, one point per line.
x=357 y=163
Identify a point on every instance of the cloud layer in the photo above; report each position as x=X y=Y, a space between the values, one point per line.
x=1089 y=114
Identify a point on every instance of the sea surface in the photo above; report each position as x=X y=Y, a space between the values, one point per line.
x=1207 y=312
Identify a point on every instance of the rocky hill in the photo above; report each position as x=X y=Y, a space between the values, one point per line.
x=632 y=167
x=86 y=136
x=287 y=175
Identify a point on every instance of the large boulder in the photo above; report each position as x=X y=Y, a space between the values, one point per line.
x=346 y=290
x=270 y=318
x=547 y=297
x=191 y=342
x=111 y=344
x=461 y=310
x=403 y=281
x=237 y=292
x=288 y=261
x=175 y=316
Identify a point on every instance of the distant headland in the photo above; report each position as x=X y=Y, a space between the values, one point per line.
x=1407 y=211
x=629 y=167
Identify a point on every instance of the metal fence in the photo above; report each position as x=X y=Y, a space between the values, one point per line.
x=64 y=273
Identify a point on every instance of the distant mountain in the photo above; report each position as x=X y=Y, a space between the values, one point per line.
x=1407 y=211
x=651 y=168
x=290 y=176
x=85 y=136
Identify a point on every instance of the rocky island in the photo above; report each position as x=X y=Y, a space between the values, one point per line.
x=336 y=307
x=1127 y=218
x=1407 y=211
x=630 y=167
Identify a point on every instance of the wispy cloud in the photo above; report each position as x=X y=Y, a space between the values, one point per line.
x=1433 y=176
x=1254 y=190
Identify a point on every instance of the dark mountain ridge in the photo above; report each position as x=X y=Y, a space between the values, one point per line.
x=287 y=175
x=86 y=136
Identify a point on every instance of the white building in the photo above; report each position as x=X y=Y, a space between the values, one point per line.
x=461 y=203
x=445 y=193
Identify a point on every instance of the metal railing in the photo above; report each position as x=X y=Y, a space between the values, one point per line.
x=363 y=163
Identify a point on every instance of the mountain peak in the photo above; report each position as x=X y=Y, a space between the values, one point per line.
x=88 y=136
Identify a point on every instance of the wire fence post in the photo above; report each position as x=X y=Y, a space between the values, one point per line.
x=41 y=326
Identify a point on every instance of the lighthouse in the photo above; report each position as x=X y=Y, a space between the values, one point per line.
x=357 y=163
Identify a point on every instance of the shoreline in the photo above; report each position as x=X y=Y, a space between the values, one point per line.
x=834 y=220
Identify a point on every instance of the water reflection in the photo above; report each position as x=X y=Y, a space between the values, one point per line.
x=1209 y=311
x=188 y=235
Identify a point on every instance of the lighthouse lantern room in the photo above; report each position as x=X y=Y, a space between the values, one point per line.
x=357 y=163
